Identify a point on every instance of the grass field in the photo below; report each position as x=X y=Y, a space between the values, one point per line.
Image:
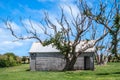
x=107 y=72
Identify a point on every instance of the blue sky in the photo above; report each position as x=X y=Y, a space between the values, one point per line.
x=14 y=9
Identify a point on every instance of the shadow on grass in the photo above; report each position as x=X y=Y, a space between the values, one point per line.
x=116 y=73
x=108 y=73
x=103 y=74
x=27 y=69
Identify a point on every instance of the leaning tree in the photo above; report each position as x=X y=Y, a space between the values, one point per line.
x=65 y=34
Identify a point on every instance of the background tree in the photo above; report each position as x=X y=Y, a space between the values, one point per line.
x=103 y=52
x=9 y=59
x=10 y=54
x=107 y=14
x=65 y=35
x=115 y=34
x=24 y=59
x=18 y=60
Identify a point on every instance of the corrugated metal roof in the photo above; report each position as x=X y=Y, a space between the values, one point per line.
x=39 y=48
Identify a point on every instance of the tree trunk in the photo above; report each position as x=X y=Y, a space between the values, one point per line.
x=114 y=49
x=105 y=61
x=24 y=61
x=101 y=60
x=70 y=64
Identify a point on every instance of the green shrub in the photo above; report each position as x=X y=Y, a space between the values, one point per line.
x=9 y=59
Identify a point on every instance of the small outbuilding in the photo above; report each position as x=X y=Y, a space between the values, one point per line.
x=49 y=58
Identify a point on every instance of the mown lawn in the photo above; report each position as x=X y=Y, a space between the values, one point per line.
x=107 y=72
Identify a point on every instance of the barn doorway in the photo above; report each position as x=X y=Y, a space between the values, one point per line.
x=33 y=61
x=86 y=62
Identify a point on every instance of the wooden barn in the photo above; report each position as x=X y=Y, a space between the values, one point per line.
x=49 y=58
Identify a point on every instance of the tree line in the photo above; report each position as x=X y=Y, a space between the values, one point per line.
x=10 y=59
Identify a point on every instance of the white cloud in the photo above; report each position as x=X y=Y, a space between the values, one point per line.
x=6 y=40
x=6 y=37
x=27 y=11
x=9 y=45
x=13 y=25
x=67 y=10
x=12 y=43
x=32 y=11
x=31 y=25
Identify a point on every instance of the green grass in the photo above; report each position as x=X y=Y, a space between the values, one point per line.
x=107 y=72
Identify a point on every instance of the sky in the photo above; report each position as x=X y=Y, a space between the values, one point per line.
x=24 y=9
x=15 y=10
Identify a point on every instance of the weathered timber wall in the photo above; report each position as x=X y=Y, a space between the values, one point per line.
x=56 y=61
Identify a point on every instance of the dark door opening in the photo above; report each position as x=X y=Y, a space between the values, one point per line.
x=86 y=62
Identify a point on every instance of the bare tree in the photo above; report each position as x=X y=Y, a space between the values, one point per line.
x=106 y=13
x=103 y=47
x=65 y=37
x=103 y=52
